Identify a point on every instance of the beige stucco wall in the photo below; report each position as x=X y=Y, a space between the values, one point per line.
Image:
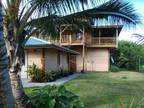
x=34 y=56
x=51 y=60
x=63 y=60
x=95 y=59
x=51 y=57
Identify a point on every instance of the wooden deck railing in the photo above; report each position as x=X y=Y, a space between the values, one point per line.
x=102 y=41
x=97 y=41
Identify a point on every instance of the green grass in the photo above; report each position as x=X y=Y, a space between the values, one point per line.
x=107 y=90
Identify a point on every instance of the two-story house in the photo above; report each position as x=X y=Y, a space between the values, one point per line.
x=93 y=43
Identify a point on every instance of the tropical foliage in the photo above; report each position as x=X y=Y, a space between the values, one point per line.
x=129 y=55
x=39 y=75
x=54 y=97
x=139 y=38
x=23 y=18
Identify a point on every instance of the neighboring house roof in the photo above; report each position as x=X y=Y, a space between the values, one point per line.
x=39 y=43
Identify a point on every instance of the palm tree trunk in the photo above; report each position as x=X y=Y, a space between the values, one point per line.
x=16 y=55
x=6 y=97
x=22 y=100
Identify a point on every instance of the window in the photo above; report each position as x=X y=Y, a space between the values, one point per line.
x=95 y=32
x=108 y=32
x=77 y=35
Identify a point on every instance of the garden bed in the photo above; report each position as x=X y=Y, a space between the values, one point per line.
x=38 y=75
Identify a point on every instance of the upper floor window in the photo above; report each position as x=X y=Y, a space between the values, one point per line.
x=103 y=32
x=77 y=35
x=108 y=32
x=95 y=32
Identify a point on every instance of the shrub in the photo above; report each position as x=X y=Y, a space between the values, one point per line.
x=35 y=73
x=129 y=55
x=50 y=76
x=55 y=97
x=39 y=75
x=114 y=68
x=65 y=73
x=141 y=68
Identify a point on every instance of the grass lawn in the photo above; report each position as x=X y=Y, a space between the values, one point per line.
x=108 y=90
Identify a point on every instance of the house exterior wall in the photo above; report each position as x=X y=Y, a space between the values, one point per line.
x=35 y=56
x=55 y=59
x=64 y=60
x=95 y=59
x=51 y=59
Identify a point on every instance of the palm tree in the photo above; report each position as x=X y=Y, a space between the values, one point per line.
x=25 y=17
x=6 y=97
x=139 y=38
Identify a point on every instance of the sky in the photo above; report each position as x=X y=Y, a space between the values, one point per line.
x=126 y=34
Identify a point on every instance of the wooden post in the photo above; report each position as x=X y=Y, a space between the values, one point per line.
x=70 y=39
x=69 y=62
x=60 y=35
x=43 y=59
x=99 y=37
x=83 y=51
x=116 y=37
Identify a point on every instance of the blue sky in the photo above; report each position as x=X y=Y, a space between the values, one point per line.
x=127 y=34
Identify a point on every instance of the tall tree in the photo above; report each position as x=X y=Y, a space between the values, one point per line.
x=25 y=17
x=6 y=97
x=139 y=39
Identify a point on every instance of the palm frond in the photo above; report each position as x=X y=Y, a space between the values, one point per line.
x=61 y=7
x=114 y=11
x=139 y=38
x=49 y=25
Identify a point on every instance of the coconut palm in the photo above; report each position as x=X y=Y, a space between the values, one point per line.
x=26 y=17
x=6 y=97
x=139 y=38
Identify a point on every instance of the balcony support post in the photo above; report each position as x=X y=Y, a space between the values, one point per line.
x=83 y=31
x=60 y=36
x=99 y=37
x=70 y=39
x=116 y=37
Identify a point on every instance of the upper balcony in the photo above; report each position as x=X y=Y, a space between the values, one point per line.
x=106 y=36
x=90 y=42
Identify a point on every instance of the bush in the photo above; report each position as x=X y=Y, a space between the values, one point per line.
x=39 y=75
x=50 y=76
x=55 y=97
x=129 y=55
x=114 y=68
x=35 y=73
x=141 y=68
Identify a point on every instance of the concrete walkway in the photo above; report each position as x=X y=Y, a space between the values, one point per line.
x=61 y=81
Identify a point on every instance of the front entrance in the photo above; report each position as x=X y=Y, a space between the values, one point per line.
x=72 y=63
